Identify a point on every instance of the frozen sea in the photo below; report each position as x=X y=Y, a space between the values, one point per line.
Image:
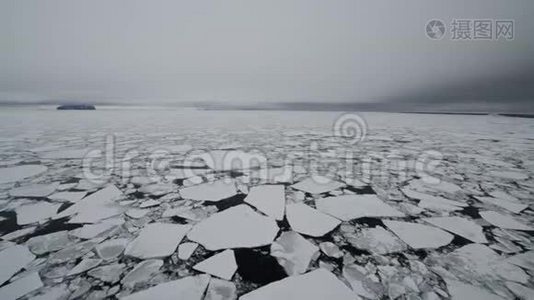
x=139 y=203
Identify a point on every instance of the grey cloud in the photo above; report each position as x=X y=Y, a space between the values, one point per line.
x=247 y=53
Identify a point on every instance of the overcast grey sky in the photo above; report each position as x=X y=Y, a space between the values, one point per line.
x=246 y=52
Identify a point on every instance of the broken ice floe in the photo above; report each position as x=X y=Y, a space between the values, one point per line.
x=90 y=231
x=330 y=249
x=478 y=263
x=12 y=260
x=142 y=272
x=520 y=291
x=21 y=287
x=111 y=249
x=274 y=175
x=319 y=284
x=149 y=203
x=60 y=291
x=358 y=281
x=504 y=196
x=184 y=173
x=222 y=265
x=293 y=252
x=223 y=160
x=108 y=273
x=210 y=191
x=235 y=227
x=172 y=148
x=423 y=186
x=515 y=207
x=221 y=290
x=32 y=213
x=348 y=207
x=158 y=189
x=67 y=196
x=460 y=291
x=355 y=183
x=136 y=213
x=309 y=221
x=504 y=221
x=269 y=199
x=72 y=252
x=19 y=233
x=191 y=288
x=523 y=260
x=510 y=175
x=188 y=213
x=80 y=288
x=48 y=243
x=157 y=240
x=434 y=203
x=95 y=207
x=460 y=226
x=185 y=250
x=377 y=240
x=13 y=174
x=67 y=154
x=84 y=265
x=419 y=236
x=34 y=190
x=317 y=185
x=505 y=246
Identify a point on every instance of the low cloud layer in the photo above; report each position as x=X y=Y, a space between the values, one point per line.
x=343 y=53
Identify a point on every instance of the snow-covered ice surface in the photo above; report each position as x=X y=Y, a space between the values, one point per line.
x=269 y=199
x=296 y=212
x=318 y=284
x=235 y=227
x=309 y=221
x=222 y=265
x=157 y=240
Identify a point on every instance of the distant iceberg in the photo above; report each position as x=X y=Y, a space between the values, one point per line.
x=76 y=107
